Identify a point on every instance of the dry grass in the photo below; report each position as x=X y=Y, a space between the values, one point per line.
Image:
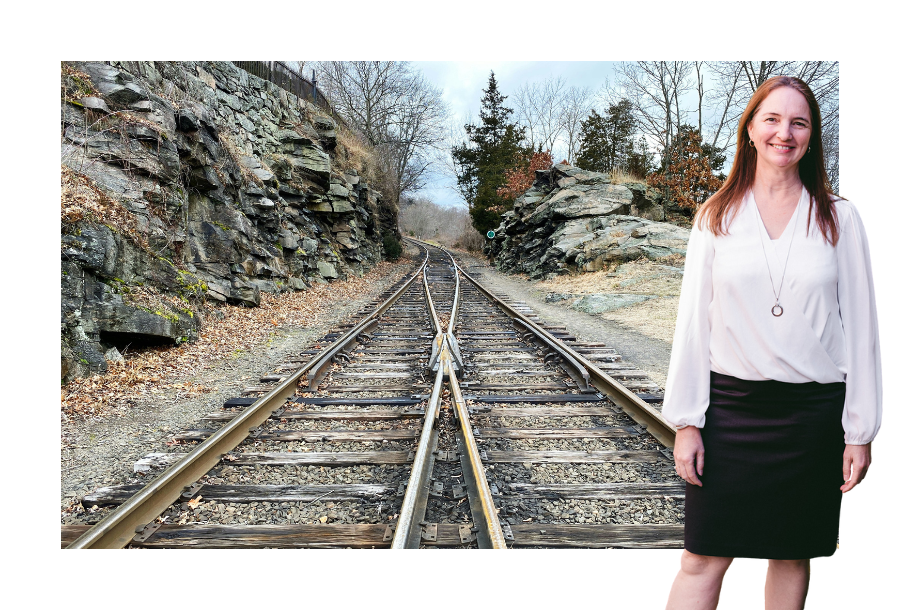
x=235 y=153
x=620 y=176
x=82 y=200
x=654 y=318
x=637 y=277
x=354 y=151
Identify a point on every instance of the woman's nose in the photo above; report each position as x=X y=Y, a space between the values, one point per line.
x=784 y=131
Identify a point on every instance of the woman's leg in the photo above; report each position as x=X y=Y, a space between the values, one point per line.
x=787 y=582
x=698 y=583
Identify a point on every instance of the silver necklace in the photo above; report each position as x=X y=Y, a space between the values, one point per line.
x=777 y=309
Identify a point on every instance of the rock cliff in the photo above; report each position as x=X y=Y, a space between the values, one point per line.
x=576 y=220
x=189 y=181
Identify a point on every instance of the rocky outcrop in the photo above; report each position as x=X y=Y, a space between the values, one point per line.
x=211 y=184
x=575 y=220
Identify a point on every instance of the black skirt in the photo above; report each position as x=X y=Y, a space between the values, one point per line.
x=772 y=471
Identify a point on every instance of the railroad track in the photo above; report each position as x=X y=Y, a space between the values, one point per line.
x=440 y=416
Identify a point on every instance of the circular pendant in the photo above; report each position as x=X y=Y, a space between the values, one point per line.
x=779 y=310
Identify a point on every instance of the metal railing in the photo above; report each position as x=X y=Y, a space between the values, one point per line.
x=288 y=79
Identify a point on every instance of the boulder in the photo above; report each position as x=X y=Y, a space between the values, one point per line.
x=288 y=239
x=314 y=162
x=341 y=205
x=575 y=220
x=326 y=270
x=186 y=120
x=244 y=293
x=95 y=103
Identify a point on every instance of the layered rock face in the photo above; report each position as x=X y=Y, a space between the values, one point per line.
x=575 y=220
x=220 y=184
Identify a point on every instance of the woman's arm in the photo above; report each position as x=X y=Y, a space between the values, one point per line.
x=689 y=455
x=687 y=383
x=856 y=299
x=856 y=463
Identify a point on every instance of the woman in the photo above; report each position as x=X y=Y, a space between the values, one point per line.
x=775 y=379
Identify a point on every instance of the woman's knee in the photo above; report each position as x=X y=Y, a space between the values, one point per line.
x=697 y=565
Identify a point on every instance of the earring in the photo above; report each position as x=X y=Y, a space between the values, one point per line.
x=808 y=148
x=751 y=144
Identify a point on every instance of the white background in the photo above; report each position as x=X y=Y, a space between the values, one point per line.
x=861 y=573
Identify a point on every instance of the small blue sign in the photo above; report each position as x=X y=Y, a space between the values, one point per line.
x=491 y=234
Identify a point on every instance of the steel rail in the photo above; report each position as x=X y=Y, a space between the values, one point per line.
x=432 y=312
x=489 y=530
x=625 y=399
x=451 y=325
x=408 y=532
x=118 y=528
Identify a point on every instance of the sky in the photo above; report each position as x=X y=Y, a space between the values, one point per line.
x=463 y=84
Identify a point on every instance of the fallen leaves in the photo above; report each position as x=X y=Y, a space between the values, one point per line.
x=228 y=332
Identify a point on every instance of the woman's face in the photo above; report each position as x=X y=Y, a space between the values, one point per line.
x=781 y=128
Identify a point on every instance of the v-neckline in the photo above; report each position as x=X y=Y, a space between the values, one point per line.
x=788 y=226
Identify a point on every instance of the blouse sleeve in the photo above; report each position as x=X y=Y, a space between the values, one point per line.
x=856 y=299
x=687 y=382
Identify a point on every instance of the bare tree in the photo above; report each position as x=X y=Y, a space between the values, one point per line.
x=540 y=108
x=656 y=90
x=298 y=67
x=577 y=105
x=700 y=91
x=452 y=226
x=397 y=109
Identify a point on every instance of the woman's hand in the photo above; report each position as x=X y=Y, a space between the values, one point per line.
x=857 y=459
x=689 y=455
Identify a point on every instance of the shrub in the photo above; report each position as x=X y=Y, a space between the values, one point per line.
x=392 y=247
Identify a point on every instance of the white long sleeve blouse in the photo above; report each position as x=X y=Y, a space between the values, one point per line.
x=827 y=333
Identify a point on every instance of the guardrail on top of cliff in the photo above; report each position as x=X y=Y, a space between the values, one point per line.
x=288 y=79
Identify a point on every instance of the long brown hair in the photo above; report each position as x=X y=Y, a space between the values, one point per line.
x=715 y=212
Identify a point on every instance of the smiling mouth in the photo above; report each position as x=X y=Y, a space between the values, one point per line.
x=780 y=147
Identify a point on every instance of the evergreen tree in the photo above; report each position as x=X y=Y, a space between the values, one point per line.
x=492 y=148
x=640 y=159
x=608 y=140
